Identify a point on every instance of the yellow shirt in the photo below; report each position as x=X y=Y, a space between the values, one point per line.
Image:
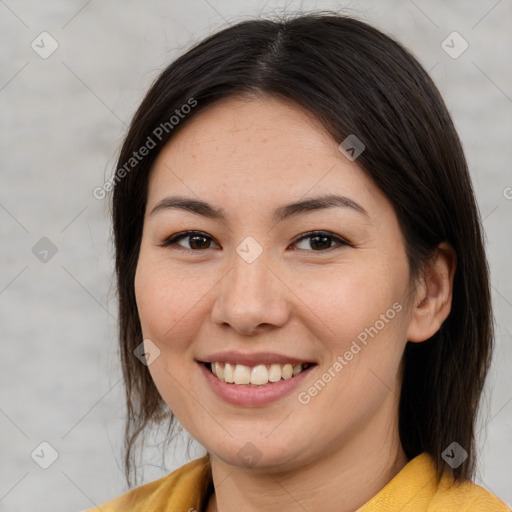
x=413 y=489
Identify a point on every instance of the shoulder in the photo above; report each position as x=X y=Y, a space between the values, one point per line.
x=465 y=497
x=416 y=488
x=184 y=489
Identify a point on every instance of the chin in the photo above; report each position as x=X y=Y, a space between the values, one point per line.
x=258 y=453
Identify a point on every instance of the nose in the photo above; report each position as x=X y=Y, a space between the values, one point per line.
x=251 y=297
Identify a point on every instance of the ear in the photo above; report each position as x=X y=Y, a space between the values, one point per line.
x=434 y=296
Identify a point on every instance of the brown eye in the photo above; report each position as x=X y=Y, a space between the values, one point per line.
x=196 y=240
x=320 y=240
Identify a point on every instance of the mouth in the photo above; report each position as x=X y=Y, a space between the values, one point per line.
x=258 y=375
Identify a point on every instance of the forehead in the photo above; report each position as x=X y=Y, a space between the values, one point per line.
x=257 y=151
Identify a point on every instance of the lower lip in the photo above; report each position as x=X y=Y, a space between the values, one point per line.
x=253 y=396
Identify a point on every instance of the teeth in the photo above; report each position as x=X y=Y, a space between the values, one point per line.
x=242 y=374
x=258 y=375
x=287 y=371
x=274 y=374
x=297 y=369
x=228 y=373
x=219 y=370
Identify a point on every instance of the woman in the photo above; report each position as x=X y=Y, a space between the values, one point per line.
x=299 y=247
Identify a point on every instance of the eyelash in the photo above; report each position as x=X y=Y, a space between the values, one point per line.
x=310 y=234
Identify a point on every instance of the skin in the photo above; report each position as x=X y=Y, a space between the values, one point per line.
x=250 y=155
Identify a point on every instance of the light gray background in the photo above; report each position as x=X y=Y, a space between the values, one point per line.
x=62 y=123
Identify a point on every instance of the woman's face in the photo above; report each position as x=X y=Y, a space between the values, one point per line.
x=246 y=290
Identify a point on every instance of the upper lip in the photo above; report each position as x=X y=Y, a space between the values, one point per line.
x=253 y=359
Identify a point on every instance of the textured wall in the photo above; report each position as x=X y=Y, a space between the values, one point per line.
x=62 y=119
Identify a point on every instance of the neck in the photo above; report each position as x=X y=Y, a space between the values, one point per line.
x=341 y=480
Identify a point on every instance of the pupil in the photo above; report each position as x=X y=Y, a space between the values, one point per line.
x=321 y=241
x=193 y=240
x=324 y=238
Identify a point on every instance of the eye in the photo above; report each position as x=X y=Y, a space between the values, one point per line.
x=321 y=240
x=197 y=240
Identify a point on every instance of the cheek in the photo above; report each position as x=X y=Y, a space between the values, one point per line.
x=363 y=317
x=359 y=318
x=169 y=301
x=345 y=301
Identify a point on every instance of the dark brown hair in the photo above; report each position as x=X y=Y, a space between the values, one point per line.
x=355 y=80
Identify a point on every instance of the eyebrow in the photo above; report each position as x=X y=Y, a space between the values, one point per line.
x=200 y=207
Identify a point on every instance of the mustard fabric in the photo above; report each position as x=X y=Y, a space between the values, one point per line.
x=413 y=489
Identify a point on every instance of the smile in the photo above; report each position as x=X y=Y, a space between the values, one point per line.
x=258 y=375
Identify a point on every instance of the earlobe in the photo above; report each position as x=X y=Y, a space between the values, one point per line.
x=434 y=299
